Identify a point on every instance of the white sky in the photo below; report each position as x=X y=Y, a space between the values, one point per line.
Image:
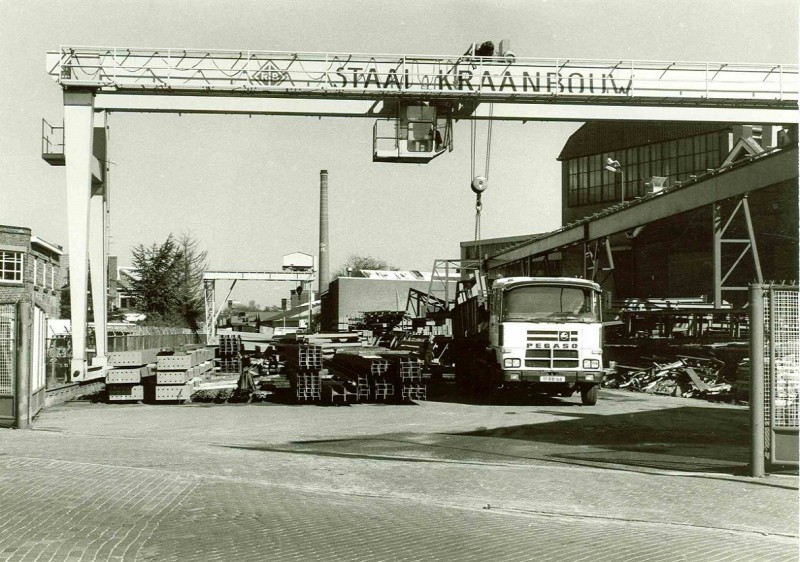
x=248 y=188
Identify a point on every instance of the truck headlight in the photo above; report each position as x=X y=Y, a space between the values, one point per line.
x=591 y=363
x=511 y=363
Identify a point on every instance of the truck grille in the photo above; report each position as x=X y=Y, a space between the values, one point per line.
x=565 y=336
x=552 y=358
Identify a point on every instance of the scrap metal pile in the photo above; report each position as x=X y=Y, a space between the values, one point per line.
x=690 y=377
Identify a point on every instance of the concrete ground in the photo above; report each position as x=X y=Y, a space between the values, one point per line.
x=637 y=477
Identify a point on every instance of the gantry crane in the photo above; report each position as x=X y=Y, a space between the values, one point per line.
x=420 y=95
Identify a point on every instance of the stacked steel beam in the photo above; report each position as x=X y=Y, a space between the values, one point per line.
x=175 y=373
x=308 y=383
x=411 y=377
x=382 y=383
x=230 y=354
x=129 y=369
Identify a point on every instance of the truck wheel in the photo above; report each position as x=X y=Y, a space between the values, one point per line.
x=589 y=395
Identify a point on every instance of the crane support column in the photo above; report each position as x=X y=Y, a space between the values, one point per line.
x=98 y=242
x=97 y=270
x=78 y=125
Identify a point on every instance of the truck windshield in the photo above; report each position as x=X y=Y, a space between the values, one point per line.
x=551 y=303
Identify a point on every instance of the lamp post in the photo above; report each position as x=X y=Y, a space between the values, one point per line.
x=615 y=167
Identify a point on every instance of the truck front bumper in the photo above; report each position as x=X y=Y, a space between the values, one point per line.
x=556 y=377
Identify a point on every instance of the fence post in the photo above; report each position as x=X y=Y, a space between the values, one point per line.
x=756 y=381
x=23 y=395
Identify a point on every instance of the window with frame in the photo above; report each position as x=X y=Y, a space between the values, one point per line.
x=588 y=182
x=11 y=266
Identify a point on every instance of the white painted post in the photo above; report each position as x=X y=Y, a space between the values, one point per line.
x=97 y=271
x=78 y=124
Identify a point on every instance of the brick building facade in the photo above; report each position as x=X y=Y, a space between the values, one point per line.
x=30 y=270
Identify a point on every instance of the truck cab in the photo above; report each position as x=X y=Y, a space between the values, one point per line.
x=547 y=331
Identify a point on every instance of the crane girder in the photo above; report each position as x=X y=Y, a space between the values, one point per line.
x=361 y=84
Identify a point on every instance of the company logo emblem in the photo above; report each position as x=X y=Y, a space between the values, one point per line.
x=563 y=336
x=270 y=75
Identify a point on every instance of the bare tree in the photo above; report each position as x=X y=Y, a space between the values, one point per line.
x=354 y=263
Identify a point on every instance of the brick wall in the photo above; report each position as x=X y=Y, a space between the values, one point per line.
x=16 y=238
x=38 y=258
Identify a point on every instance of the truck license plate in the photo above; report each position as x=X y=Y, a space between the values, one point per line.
x=551 y=378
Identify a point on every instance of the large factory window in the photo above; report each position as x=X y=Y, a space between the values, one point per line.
x=590 y=183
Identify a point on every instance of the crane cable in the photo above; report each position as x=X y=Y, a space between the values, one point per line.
x=479 y=183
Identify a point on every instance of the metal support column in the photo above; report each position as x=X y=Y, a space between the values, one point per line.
x=97 y=271
x=24 y=371
x=211 y=316
x=756 y=381
x=717 y=228
x=98 y=251
x=78 y=124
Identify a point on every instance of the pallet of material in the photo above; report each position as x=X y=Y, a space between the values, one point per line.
x=125 y=392
x=128 y=375
x=132 y=358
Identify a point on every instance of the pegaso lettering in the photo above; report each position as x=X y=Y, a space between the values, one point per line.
x=553 y=345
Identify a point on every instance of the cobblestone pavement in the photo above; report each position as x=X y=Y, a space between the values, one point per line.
x=436 y=481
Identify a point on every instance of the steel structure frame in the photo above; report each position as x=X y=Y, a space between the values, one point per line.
x=209 y=289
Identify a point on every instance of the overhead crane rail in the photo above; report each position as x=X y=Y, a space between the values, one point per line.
x=456 y=78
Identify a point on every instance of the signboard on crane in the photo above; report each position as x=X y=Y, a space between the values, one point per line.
x=318 y=74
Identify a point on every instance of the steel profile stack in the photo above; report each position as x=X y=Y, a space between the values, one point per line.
x=309 y=386
x=175 y=373
x=381 y=382
x=310 y=357
x=230 y=354
x=129 y=370
x=411 y=377
x=308 y=380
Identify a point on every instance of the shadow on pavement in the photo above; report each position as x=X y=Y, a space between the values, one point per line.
x=687 y=439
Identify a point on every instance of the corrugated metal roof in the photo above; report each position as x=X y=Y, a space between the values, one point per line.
x=605 y=136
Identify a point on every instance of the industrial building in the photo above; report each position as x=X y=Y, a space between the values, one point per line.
x=348 y=298
x=30 y=292
x=667 y=210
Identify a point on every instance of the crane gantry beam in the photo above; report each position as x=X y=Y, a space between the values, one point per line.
x=336 y=84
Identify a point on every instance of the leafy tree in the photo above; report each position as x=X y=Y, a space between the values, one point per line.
x=191 y=264
x=355 y=263
x=155 y=283
x=168 y=285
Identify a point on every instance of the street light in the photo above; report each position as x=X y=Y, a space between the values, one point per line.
x=615 y=167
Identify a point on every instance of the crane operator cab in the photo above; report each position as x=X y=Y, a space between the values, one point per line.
x=418 y=134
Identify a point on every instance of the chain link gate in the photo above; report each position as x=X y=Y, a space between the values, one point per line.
x=777 y=368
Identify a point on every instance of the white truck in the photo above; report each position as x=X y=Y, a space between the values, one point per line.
x=540 y=332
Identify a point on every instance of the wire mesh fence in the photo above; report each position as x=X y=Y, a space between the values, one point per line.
x=135 y=338
x=8 y=321
x=782 y=360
